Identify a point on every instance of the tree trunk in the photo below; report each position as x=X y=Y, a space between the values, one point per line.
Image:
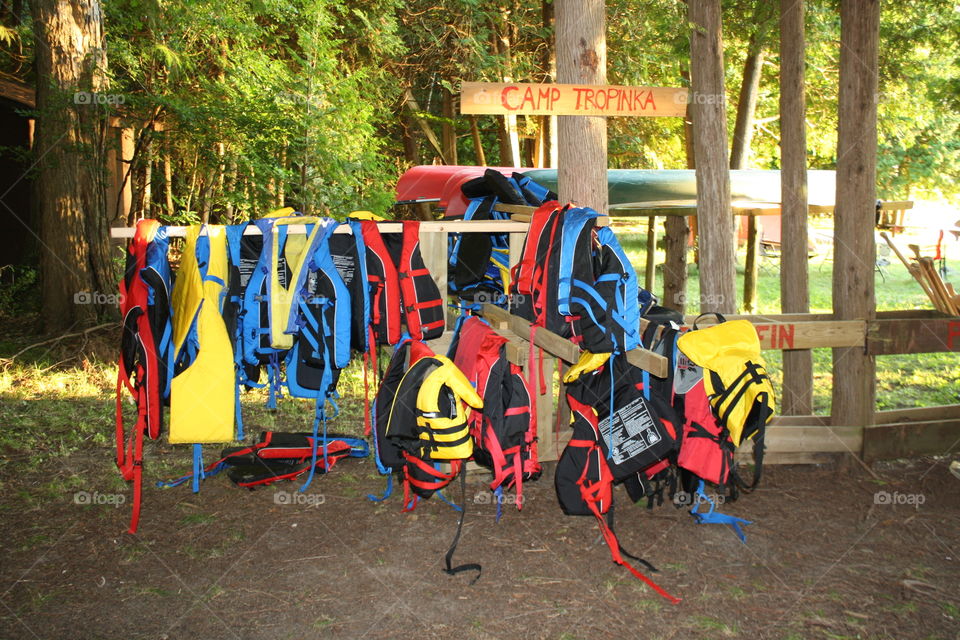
x=708 y=111
x=448 y=131
x=71 y=163
x=549 y=62
x=582 y=59
x=676 y=236
x=854 y=372
x=508 y=135
x=168 y=184
x=477 y=142
x=411 y=151
x=797 y=393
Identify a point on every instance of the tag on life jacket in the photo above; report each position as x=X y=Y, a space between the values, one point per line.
x=634 y=431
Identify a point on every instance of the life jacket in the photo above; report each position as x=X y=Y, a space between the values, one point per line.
x=597 y=290
x=202 y=388
x=735 y=379
x=401 y=289
x=279 y=456
x=533 y=285
x=481 y=266
x=348 y=253
x=504 y=435
x=586 y=471
x=144 y=349
x=319 y=319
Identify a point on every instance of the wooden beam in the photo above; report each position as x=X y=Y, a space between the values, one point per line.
x=429 y=226
x=803 y=334
x=651 y=264
x=887 y=442
x=567 y=351
x=750 y=269
x=932 y=335
x=918 y=414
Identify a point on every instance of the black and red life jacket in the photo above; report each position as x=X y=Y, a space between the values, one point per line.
x=401 y=289
x=280 y=456
x=607 y=449
x=533 y=284
x=144 y=349
x=504 y=434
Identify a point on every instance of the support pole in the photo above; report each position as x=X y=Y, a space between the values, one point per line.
x=854 y=372
x=582 y=140
x=797 y=392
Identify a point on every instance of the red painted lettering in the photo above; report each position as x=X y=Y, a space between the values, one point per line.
x=543 y=96
x=761 y=330
x=785 y=336
x=579 y=91
x=505 y=101
x=528 y=97
x=602 y=94
x=650 y=101
x=588 y=99
x=953 y=331
x=554 y=96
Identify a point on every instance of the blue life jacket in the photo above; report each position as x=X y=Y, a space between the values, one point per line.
x=597 y=290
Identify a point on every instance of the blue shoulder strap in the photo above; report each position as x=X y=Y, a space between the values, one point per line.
x=627 y=310
x=573 y=222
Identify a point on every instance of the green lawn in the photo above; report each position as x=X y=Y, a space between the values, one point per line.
x=903 y=381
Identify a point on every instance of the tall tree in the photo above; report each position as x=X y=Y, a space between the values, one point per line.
x=70 y=68
x=709 y=115
x=582 y=140
x=854 y=372
x=794 y=276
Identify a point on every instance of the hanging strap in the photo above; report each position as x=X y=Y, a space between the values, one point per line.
x=448 y=558
x=713 y=516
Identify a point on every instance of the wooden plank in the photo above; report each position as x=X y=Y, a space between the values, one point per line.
x=744 y=456
x=751 y=267
x=803 y=335
x=518 y=209
x=887 y=442
x=919 y=414
x=429 y=226
x=928 y=335
x=793 y=421
x=813 y=439
x=567 y=351
x=501 y=98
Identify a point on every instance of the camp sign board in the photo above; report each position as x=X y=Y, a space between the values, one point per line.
x=504 y=98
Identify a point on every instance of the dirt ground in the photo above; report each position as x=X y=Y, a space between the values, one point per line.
x=832 y=553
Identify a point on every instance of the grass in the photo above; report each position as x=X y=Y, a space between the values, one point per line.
x=903 y=381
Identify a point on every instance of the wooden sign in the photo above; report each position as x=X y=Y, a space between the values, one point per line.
x=502 y=98
x=930 y=335
x=811 y=335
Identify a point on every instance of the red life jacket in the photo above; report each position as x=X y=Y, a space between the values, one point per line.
x=401 y=288
x=140 y=368
x=706 y=450
x=503 y=432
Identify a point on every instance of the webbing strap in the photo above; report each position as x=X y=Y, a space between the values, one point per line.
x=713 y=516
x=448 y=558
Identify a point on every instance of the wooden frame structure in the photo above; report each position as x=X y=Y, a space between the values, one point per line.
x=790 y=439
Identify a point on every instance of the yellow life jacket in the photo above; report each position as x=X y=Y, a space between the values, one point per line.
x=734 y=378
x=295 y=252
x=202 y=395
x=443 y=431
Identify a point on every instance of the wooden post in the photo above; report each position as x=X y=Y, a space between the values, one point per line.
x=750 y=270
x=651 y=266
x=448 y=129
x=854 y=372
x=708 y=111
x=675 y=264
x=582 y=140
x=797 y=392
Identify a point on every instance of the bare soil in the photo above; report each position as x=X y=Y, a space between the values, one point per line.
x=824 y=558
